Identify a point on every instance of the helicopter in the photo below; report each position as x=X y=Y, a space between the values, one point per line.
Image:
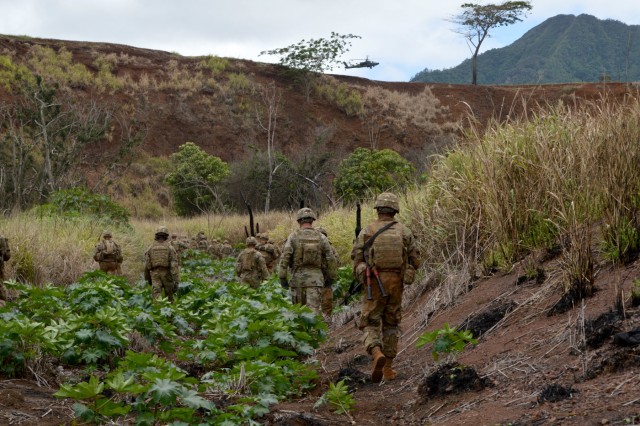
x=366 y=63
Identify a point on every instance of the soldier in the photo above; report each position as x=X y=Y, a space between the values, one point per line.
x=214 y=249
x=161 y=268
x=108 y=255
x=385 y=259
x=327 y=292
x=308 y=254
x=178 y=245
x=269 y=250
x=226 y=250
x=250 y=265
x=5 y=255
x=201 y=241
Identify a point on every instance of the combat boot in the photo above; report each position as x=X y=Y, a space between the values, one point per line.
x=387 y=371
x=378 y=364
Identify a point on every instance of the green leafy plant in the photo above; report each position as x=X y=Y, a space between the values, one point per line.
x=446 y=340
x=338 y=397
x=78 y=201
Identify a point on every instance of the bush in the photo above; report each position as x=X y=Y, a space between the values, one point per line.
x=77 y=202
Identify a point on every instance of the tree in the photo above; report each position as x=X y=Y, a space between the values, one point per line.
x=366 y=172
x=195 y=180
x=476 y=20
x=267 y=120
x=313 y=55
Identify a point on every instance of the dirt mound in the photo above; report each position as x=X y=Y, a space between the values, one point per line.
x=555 y=393
x=451 y=379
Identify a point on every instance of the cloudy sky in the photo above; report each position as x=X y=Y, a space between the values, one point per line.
x=405 y=36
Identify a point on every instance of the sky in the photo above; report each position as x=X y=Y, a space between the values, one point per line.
x=404 y=36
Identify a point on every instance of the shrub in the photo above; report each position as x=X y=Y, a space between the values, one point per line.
x=77 y=202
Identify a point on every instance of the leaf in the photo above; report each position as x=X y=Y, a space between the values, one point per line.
x=191 y=399
x=164 y=391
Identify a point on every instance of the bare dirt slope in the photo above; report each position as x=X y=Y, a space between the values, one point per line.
x=537 y=368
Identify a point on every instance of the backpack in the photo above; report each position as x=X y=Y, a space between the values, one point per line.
x=387 y=251
x=247 y=261
x=159 y=256
x=109 y=250
x=308 y=249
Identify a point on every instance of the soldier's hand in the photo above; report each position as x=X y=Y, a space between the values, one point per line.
x=284 y=283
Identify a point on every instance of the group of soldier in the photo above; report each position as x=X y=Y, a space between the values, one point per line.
x=384 y=259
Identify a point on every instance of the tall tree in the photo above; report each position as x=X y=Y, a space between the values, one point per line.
x=475 y=21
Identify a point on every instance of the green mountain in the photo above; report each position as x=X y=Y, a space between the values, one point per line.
x=562 y=49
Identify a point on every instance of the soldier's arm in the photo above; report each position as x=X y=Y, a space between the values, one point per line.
x=285 y=259
x=331 y=261
x=413 y=254
x=238 y=264
x=263 y=267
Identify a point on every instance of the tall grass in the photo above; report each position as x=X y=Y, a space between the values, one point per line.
x=507 y=192
x=54 y=250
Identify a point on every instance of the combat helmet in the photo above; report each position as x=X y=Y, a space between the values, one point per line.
x=388 y=199
x=106 y=234
x=251 y=241
x=263 y=236
x=305 y=213
x=162 y=230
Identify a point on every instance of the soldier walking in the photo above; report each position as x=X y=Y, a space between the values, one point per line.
x=309 y=256
x=226 y=250
x=250 y=265
x=161 y=267
x=108 y=255
x=384 y=260
x=268 y=250
x=5 y=255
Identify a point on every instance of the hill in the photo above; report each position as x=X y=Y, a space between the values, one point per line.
x=562 y=49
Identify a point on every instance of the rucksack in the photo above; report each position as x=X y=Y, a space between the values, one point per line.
x=308 y=249
x=159 y=255
x=247 y=261
x=387 y=251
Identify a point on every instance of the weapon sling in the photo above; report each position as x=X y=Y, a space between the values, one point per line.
x=365 y=249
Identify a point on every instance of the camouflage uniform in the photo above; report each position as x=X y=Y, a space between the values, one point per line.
x=250 y=265
x=380 y=317
x=5 y=255
x=269 y=250
x=108 y=255
x=327 y=292
x=226 y=250
x=178 y=245
x=214 y=249
x=308 y=254
x=161 y=267
x=201 y=241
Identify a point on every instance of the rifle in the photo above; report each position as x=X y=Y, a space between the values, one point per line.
x=355 y=286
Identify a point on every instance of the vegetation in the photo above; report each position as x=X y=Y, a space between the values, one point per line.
x=195 y=180
x=476 y=20
x=368 y=172
x=446 y=340
x=251 y=346
x=554 y=52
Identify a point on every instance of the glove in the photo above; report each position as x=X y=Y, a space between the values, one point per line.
x=284 y=283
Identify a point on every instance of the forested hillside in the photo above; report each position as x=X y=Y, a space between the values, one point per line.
x=562 y=49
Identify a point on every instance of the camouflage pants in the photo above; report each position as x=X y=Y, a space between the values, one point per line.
x=380 y=317
x=251 y=279
x=308 y=296
x=111 y=268
x=327 y=301
x=161 y=279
